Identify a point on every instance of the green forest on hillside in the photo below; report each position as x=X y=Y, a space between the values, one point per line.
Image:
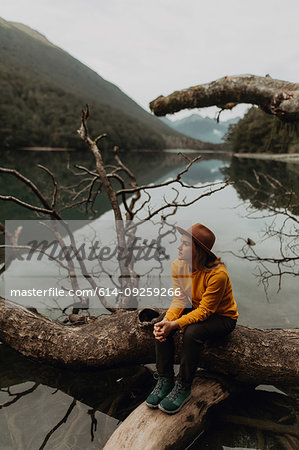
x=259 y=132
x=33 y=113
x=43 y=90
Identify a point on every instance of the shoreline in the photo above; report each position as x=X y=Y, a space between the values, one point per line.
x=283 y=157
x=47 y=149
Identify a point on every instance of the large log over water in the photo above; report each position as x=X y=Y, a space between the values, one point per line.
x=276 y=97
x=152 y=429
x=261 y=410
x=248 y=355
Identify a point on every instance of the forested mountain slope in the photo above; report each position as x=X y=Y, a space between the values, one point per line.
x=43 y=89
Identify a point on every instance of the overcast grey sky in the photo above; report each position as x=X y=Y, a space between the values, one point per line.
x=153 y=47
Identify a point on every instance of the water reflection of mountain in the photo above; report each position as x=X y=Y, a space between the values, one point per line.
x=148 y=167
x=62 y=165
x=267 y=192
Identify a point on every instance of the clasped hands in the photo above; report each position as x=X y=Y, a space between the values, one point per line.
x=163 y=328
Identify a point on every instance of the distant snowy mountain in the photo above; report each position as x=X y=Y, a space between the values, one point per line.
x=203 y=128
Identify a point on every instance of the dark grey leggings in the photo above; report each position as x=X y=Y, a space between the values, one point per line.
x=214 y=326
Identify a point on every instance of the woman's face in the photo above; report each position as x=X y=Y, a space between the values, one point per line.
x=185 y=249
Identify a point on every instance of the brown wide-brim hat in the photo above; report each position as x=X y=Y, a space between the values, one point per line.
x=202 y=235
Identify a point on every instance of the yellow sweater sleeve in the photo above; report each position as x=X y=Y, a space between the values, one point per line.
x=179 y=302
x=209 y=302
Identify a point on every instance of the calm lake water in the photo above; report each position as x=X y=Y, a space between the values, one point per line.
x=36 y=398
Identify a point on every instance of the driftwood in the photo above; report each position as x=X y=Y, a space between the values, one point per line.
x=248 y=355
x=276 y=97
x=151 y=429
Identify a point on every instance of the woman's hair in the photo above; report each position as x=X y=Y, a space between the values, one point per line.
x=201 y=260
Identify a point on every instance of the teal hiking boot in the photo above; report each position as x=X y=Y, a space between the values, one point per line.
x=162 y=388
x=174 y=401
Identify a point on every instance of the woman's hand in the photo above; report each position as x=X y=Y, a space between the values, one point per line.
x=163 y=328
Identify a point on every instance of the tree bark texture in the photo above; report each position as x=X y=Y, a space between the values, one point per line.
x=248 y=355
x=277 y=97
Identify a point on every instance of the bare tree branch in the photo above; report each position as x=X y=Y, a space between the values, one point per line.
x=174 y=203
x=32 y=186
x=54 y=195
x=24 y=204
x=166 y=183
x=276 y=97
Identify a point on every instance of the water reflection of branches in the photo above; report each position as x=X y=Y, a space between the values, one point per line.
x=264 y=183
x=61 y=422
x=283 y=228
x=94 y=422
x=17 y=395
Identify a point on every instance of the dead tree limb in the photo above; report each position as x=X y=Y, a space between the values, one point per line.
x=276 y=97
x=248 y=355
x=150 y=429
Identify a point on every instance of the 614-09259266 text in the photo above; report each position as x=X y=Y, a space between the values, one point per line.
x=102 y=291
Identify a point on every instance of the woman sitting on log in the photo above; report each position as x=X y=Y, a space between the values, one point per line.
x=204 y=309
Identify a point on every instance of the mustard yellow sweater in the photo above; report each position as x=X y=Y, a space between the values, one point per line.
x=209 y=292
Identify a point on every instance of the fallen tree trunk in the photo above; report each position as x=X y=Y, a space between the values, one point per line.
x=276 y=97
x=151 y=429
x=248 y=355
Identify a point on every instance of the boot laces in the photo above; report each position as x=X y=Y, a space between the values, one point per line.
x=159 y=385
x=176 y=391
